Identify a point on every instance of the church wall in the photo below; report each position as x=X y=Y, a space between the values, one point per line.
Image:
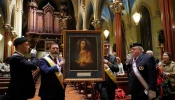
x=132 y=30
x=156 y=25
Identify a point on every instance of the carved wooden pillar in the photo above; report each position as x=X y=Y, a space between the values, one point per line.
x=8 y=29
x=117 y=7
x=96 y=23
x=167 y=24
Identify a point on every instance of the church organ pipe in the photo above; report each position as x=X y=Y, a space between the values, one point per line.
x=56 y=25
x=30 y=20
x=34 y=19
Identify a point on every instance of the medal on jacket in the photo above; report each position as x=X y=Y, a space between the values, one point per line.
x=141 y=68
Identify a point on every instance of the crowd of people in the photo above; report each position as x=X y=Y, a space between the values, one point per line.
x=141 y=69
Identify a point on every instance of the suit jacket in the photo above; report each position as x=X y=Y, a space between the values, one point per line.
x=147 y=68
x=114 y=67
x=21 y=84
x=50 y=85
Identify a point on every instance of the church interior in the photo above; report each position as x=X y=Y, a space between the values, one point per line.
x=121 y=22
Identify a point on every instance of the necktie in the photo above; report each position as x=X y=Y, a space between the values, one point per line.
x=106 y=57
x=55 y=60
x=135 y=59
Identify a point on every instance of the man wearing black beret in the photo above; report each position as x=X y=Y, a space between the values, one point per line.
x=22 y=86
x=142 y=74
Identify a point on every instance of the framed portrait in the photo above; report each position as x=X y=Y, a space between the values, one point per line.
x=47 y=45
x=83 y=53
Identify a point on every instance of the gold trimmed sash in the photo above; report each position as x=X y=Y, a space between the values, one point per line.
x=110 y=73
x=58 y=74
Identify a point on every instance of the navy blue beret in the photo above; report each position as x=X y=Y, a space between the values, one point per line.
x=136 y=44
x=19 y=41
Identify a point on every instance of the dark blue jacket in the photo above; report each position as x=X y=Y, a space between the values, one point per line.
x=50 y=86
x=146 y=66
x=22 y=84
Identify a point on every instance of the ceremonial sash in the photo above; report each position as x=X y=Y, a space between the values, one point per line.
x=110 y=73
x=139 y=76
x=58 y=74
x=150 y=94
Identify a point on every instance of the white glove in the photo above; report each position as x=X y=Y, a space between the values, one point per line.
x=151 y=94
x=59 y=68
x=33 y=51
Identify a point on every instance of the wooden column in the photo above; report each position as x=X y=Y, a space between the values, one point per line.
x=6 y=39
x=167 y=24
x=117 y=6
x=118 y=35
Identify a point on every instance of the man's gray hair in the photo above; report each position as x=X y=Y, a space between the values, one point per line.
x=141 y=48
x=149 y=51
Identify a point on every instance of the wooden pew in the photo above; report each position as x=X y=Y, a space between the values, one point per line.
x=5 y=80
x=122 y=78
x=5 y=77
x=4 y=84
x=3 y=90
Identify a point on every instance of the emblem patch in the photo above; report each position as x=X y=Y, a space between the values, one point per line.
x=141 y=68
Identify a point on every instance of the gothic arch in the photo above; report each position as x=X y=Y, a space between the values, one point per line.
x=80 y=21
x=107 y=17
x=13 y=17
x=142 y=4
x=75 y=6
x=89 y=13
x=145 y=28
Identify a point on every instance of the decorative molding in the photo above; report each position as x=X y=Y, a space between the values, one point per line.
x=96 y=23
x=8 y=28
x=117 y=6
x=14 y=34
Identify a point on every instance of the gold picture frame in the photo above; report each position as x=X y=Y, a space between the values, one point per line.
x=83 y=52
x=47 y=45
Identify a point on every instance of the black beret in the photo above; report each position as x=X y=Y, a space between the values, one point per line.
x=106 y=42
x=19 y=41
x=136 y=44
x=131 y=45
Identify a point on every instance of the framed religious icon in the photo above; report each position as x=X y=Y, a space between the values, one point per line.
x=47 y=45
x=83 y=52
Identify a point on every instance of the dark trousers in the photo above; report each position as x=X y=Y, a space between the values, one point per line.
x=170 y=97
x=137 y=97
x=107 y=94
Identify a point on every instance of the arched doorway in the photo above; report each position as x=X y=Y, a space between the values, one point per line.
x=145 y=29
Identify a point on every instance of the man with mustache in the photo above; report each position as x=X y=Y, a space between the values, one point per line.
x=52 y=87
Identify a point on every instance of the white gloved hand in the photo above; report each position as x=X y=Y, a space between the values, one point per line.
x=59 y=68
x=151 y=94
x=33 y=51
